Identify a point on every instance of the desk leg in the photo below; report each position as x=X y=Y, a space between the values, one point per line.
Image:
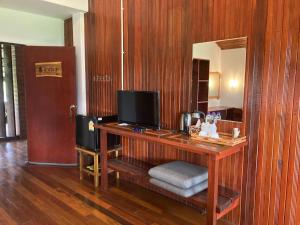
x=213 y=167
x=103 y=155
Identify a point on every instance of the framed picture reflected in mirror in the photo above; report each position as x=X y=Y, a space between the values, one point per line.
x=214 y=85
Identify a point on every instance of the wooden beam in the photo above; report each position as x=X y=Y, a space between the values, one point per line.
x=233 y=43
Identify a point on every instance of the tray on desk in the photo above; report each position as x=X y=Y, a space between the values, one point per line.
x=225 y=138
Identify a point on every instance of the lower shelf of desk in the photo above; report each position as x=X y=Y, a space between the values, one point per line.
x=137 y=172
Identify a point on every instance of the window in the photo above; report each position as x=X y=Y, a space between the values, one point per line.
x=9 y=102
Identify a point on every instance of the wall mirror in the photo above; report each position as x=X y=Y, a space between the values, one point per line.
x=218 y=77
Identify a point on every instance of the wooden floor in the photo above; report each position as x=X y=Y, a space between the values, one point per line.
x=50 y=195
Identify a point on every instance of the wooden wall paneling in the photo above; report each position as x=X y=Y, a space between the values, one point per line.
x=285 y=29
x=291 y=179
x=291 y=28
x=255 y=48
x=164 y=71
x=280 y=53
x=133 y=81
x=90 y=56
x=295 y=143
x=207 y=19
x=88 y=26
x=173 y=76
x=158 y=40
x=196 y=28
x=125 y=45
x=228 y=14
x=68 y=32
x=270 y=83
x=227 y=171
x=136 y=48
x=103 y=53
x=181 y=47
x=167 y=153
x=292 y=207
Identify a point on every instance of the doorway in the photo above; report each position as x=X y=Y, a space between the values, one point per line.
x=12 y=99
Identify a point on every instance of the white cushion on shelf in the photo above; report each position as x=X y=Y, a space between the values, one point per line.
x=180 y=174
x=188 y=192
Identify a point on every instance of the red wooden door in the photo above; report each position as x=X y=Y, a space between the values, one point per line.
x=51 y=128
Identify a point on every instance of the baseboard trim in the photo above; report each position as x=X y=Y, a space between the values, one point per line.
x=52 y=164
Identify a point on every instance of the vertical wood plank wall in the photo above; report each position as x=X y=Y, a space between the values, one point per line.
x=158 y=38
x=68 y=32
x=276 y=183
x=103 y=56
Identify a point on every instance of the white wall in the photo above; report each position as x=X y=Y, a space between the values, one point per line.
x=79 y=43
x=233 y=63
x=81 y=5
x=30 y=29
x=209 y=51
x=33 y=29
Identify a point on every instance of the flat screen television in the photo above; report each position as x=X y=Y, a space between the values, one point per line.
x=141 y=108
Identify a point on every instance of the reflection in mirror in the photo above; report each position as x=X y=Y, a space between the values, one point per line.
x=218 y=78
x=214 y=85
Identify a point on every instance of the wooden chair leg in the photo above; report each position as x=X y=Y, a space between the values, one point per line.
x=103 y=154
x=80 y=165
x=96 y=170
x=117 y=173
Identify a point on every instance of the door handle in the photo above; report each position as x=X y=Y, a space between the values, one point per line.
x=71 y=110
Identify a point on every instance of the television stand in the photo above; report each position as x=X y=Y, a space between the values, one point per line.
x=217 y=200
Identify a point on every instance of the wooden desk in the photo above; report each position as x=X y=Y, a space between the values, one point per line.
x=217 y=200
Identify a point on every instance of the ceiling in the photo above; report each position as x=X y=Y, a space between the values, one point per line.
x=43 y=7
x=233 y=43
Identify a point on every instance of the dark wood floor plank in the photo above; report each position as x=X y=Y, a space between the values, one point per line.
x=34 y=195
x=70 y=203
x=94 y=200
x=21 y=209
x=86 y=193
x=177 y=211
x=5 y=218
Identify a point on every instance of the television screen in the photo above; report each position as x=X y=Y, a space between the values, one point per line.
x=139 y=108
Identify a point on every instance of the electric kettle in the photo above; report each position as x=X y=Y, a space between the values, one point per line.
x=185 y=122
